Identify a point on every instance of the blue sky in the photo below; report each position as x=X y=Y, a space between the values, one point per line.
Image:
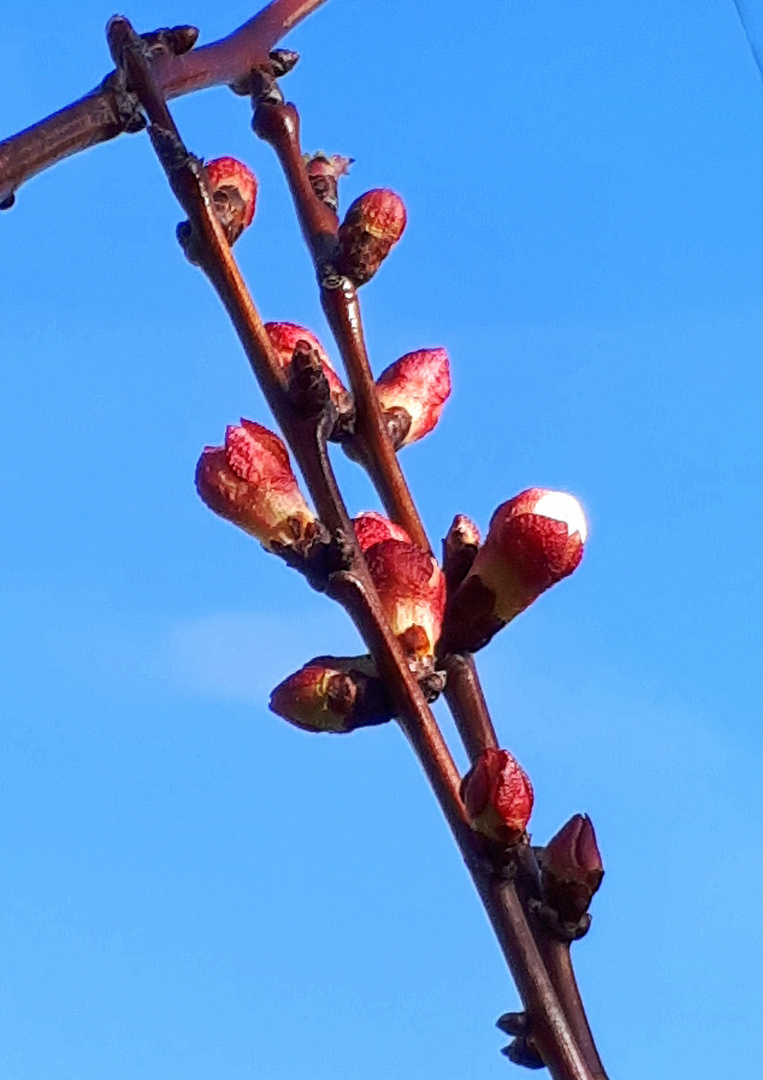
x=189 y=888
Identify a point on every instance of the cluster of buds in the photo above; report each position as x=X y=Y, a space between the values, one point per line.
x=323 y=171
x=296 y=349
x=534 y=540
x=333 y=694
x=372 y=225
x=409 y=581
x=498 y=797
x=234 y=193
x=249 y=481
x=412 y=393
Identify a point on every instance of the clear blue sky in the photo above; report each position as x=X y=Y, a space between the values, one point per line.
x=190 y=888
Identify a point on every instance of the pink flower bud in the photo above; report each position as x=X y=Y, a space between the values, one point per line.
x=418 y=385
x=323 y=172
x=534 y=540
x=234 y=191
x=374 y=222
x=317 y=698
x=284 y=338
x=571 y=868
x=371 y=528
x=249 y=481
x=498 y=796
x=411 y=588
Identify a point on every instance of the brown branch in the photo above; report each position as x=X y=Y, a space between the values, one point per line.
x=106 y=111
x=278 y=123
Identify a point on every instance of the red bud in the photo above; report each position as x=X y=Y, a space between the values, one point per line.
x=234 y=191
x=498 y=796
x=249 y=481
x=534 y=540
x=371 y=528
x=374 y=222
x=411 y=588
x=571 y=868
x=284 y=337
x=317 y=698
x=419 y=385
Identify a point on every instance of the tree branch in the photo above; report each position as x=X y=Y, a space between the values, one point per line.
x=106 y=111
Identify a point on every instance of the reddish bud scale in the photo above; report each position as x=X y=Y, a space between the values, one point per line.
x=534 y=540
x=234 y=192
x=411 y=588
x=316 y=698
x=419 y=384
x=571 y=868
x=498 y=796
x=284 y=338
x=373 y=224
x=249 y=482
x=371 y=528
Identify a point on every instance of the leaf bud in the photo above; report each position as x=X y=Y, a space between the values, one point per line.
x=534 y=540
x=372 y=225
x=323 y=172
x=371 y=528
x=333 y=694
x=417 y=385
x=234 y=193
x=411 y=588
x=249 y=481
x=498 y=796
x=571 y=868
x=286 y=337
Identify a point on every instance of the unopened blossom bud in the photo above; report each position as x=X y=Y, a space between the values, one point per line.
x=249 y=481
x=374 y=222
x=411 y=588
x=323 y=171
x=416 y=388
x=371 y=528
x=335 y=694
x=571 y=868
x=534 y=540
x=498 y=796
x=459 y=548
x=234 y=192
x=285 y=337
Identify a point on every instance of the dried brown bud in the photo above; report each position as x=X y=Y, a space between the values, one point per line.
x=234 y=193
x=460 y=548
x=324 y=171
x=374 y=222
x=418 y=384
x=498 y=796
x=571 y=868
x=411 y=588
x=249 y=481
x=371 y=528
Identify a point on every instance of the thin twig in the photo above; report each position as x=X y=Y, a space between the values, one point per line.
x=105 y=112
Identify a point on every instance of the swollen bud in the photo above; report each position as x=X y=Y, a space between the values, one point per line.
x=571 y=868
x=234 y=192
x=285 y=337
x=534 y=540
x=416 y=386
x=323 y=173
x=249 y=481
x=374 y=222
x=498 y=796
x=371 y=528
x=411 y=588
x=335 y=694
